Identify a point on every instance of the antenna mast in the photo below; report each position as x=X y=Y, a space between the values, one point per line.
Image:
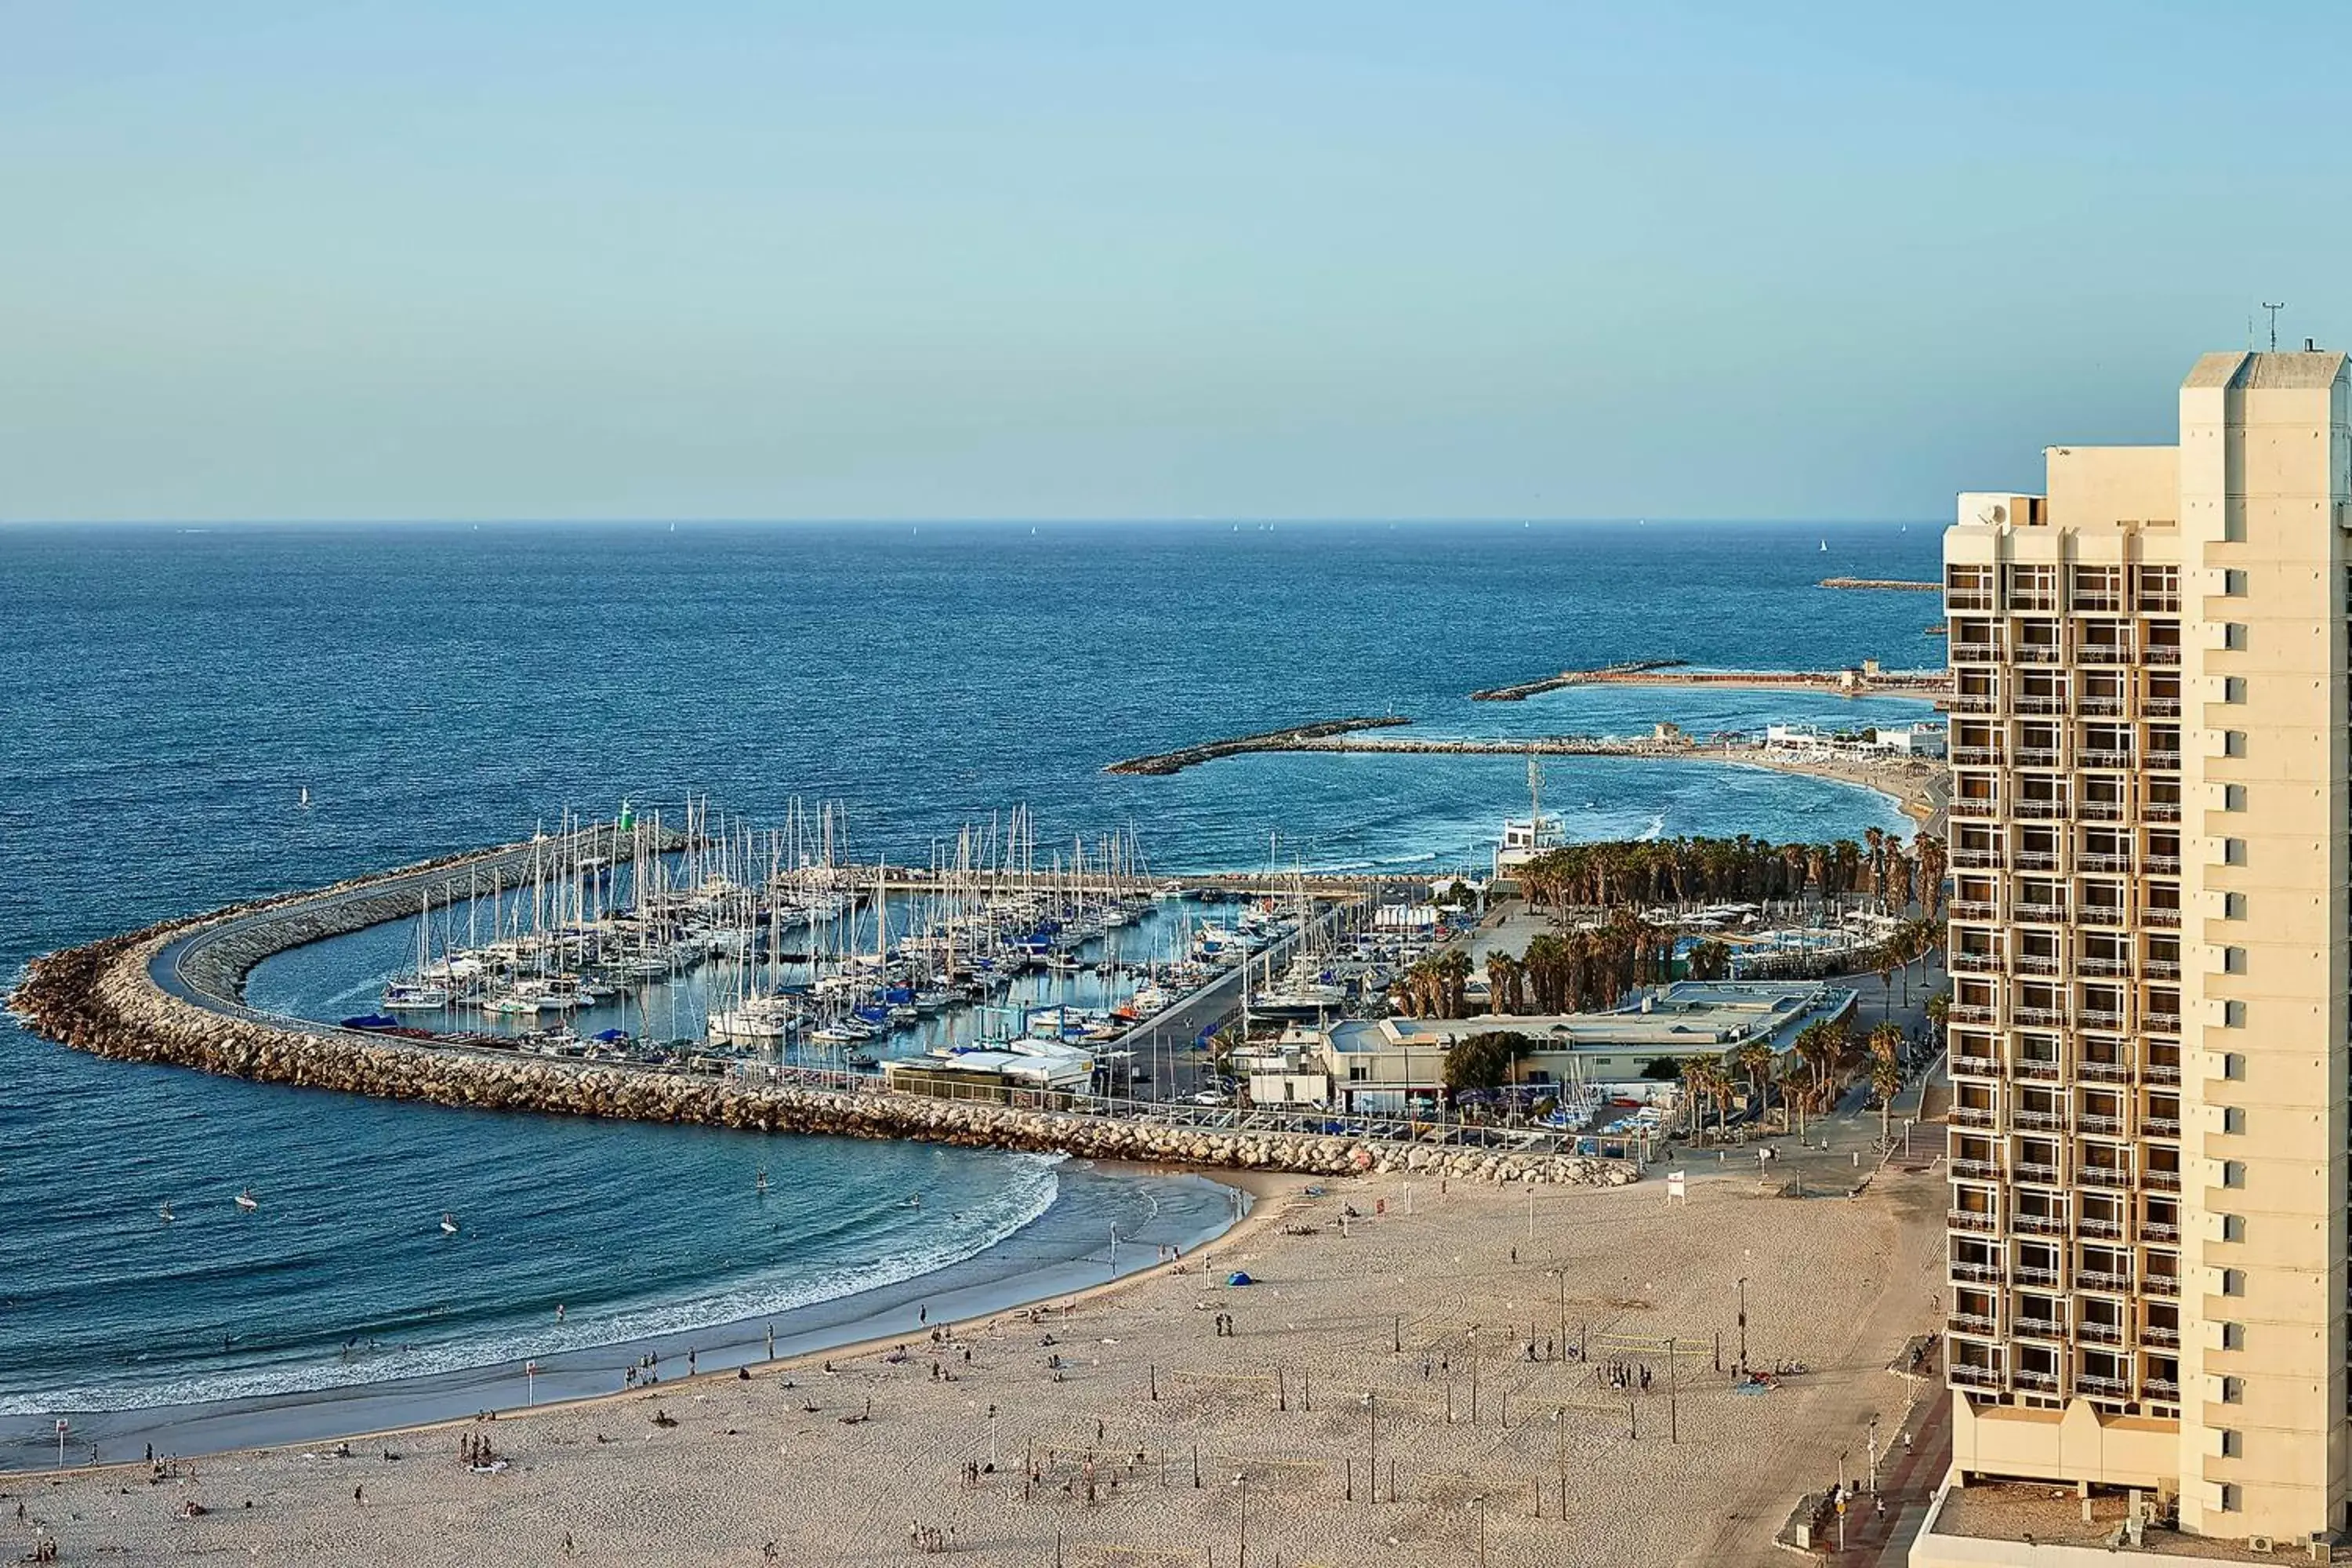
x=2273 y=310
x=1535 y=790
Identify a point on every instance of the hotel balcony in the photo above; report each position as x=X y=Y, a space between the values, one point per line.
x=2039 y=1223
x=1977 y=1067
x=1975 y=653
x=1984 y=1116
x=2167 y=761
x=1977 y=1170
x=1976 y=756
x=2102 y=1176
x=2162 y=866
x=1972 y=1323
x=2100 y=707
x=1972 y=860
x=2037 y=1120
x=2036 y=757
x=1975 y=964
x=2163 y=919
x=2155 y=1335
x=2039 y=1382
x=1974 y=702
x=1977 y=1273
x=2160 y=654
x=2038 y=702
x=2104 y=1072
x=2102 y=653
x=1964 y=807
x=1972 y=1013
x=2102 y=862
x=2039 y=653
x=2105 y=1388
x=2103 y=759
x=2160 y=707
x=1970 y=1220
x=2162 y=1388
x=2100 y=811
x=2159 y=969
x=2038 y=1328
x=2040 y=1069
x=2036 y=860
x=1960 y=1374
x=2038 y=810
x=2100 y=1333
x=2104 y=1280
x=2162 y=1023
x=2161 y=810
x=2035 y=963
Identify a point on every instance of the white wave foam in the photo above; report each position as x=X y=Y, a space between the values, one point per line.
x=985 y=1222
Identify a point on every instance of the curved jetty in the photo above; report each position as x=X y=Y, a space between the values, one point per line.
x=1895 y=585
x=1598 y=673
x=1288 y=740
x=172 y=994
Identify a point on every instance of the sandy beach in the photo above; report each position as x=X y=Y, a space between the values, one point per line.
x=1358 y=1332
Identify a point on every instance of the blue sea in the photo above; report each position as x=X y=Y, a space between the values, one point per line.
x=435 y=688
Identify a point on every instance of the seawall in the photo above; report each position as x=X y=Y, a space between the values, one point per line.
x=106 y=998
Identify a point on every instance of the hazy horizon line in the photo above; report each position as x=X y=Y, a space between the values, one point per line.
x=1235 y=523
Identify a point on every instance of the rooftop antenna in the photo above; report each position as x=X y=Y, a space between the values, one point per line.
x=2273 y=310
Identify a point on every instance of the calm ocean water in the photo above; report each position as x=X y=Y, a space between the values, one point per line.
x=437 y=688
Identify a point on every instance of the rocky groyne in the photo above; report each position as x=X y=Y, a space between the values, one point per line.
x=1288 y=740
x=105 y=998
x=1598 y=673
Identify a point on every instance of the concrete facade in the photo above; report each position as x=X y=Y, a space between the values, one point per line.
x=2149 y=945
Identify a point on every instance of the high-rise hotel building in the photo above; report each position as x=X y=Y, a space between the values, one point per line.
x=2148 y=949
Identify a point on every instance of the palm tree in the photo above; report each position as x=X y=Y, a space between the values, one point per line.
x=1795 y=1091
x=1886 y=1079
x=1754 y=1060
x=1886 y=1043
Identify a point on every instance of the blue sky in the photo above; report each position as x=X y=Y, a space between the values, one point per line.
x=514 y=259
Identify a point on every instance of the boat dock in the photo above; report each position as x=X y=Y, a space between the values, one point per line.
x=1289 y=739
x=1892 y=585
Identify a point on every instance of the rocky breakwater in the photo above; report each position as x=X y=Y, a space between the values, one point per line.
x=104 y=998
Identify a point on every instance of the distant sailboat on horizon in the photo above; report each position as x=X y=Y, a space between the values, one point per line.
x=305 y=801
x=1825 y=547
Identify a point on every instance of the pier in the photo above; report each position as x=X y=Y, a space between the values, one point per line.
x=1287 y=739
x=1890 y=584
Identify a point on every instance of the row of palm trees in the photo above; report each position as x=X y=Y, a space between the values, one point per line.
x=1810 y=1074
x=1590 y=968
x=1700 y=870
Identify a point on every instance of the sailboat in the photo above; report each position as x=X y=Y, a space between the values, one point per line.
x=305 y=802
x=1825 y=547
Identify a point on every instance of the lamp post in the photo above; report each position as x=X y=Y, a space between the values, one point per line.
x=1743 y=1324
x=1482 y=1529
